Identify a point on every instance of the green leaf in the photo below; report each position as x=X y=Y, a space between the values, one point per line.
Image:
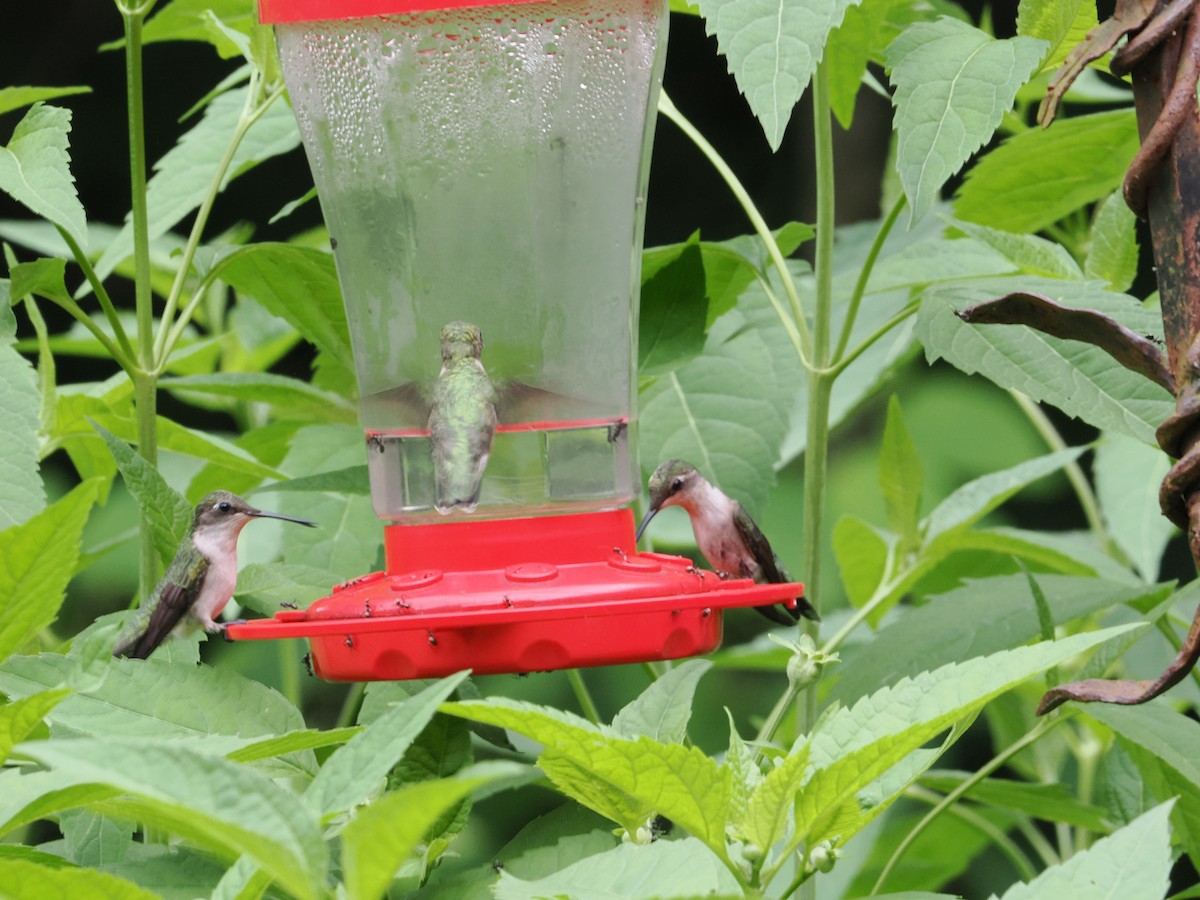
x=954 y=83
x=276 y=274
x=862 y=556
x=18 y=96
x=169 y=515
x=289 y=396
x=674 y=310
x=1050 y=802
x=293 y=741
x=853 y=746
x=154 y=699
x=185 y=20
x=27 y=880
x=37 y=560
x=35 y=170
x=192 y=442
x=383 y=834
x=1080 y=380
x=849 y=49
x=171 y=871
x=1031 y=254
x=979 y=618
x=183 y=177
x=1128 y=474
x=266 y=587
x=218 y=804
x=22 y=493
x=725 y=412
x=350 y=480
x=662 y=869
x=1113 y=256
x=624 y=779
x=1034 y=178
x=349 y=539
x=900 y=476
x=975 y=499
x=1162 y=744
x=662 y=710
x=1133 y=864
x=1062 y=24
x=19 y=717
x=773 y=48
x=94 y=840
x=769 y=810
x=358 y=769
x=44 y=277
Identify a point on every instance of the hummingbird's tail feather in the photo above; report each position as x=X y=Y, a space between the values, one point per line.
x=783 y=615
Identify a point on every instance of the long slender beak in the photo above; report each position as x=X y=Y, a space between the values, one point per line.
x=258 y=513
x=646 y=521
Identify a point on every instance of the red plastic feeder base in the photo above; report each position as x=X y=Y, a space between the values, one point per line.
x=453 y=598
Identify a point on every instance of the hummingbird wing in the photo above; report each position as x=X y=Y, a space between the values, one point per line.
x=167 y=606
x=517 y=401
x=770 y=570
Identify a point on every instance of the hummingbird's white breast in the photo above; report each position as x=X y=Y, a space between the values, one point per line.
x=220 y=579
x=712 y=515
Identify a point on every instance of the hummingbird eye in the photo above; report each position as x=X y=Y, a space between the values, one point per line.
x=224 y=506
x=676 y=485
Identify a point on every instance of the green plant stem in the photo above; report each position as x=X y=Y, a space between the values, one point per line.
x=145 y=386
x=106 y=303
x=583 y=695
x=1034 y=734
x=169 y=329
x=767 y=732
x=289 y=673
x=351 y=705
x=1045 y=850
x=843 y=362
x=1079 y=482
x=1002 y=842
x=864 y=274
x=1086 y=758
x=668 y=109
x=820 y=388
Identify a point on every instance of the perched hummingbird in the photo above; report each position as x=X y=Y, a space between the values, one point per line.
x=462 y=419
x=201 y=577
x=726 y=535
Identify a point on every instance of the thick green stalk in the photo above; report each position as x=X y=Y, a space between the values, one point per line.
x=145 y=383
x=820 y=387
x=583 y=695
x=820 y=383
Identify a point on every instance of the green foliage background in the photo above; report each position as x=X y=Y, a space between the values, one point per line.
x=971 y=540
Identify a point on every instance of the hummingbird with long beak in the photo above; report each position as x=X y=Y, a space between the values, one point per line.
x=729 y=539
x=201 y=578
x=462 y=419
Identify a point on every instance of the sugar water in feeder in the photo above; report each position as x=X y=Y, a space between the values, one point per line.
x=486 y=165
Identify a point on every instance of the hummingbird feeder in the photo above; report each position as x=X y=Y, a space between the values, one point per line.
x=482 y=168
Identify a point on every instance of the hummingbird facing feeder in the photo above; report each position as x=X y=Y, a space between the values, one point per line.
x=484 y=164
x=201 y=578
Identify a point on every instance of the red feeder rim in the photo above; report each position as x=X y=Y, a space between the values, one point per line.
x=452 y=598
x=275 y=12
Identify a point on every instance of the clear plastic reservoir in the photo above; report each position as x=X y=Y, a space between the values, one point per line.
x=487 y=165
